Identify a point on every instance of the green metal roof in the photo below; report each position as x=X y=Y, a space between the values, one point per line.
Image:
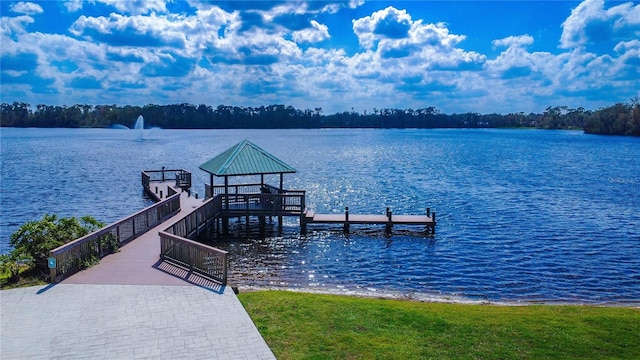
x=245 y=158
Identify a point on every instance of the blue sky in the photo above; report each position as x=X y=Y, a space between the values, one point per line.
x=459 y=56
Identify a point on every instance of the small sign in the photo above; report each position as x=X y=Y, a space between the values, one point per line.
x=52 y=263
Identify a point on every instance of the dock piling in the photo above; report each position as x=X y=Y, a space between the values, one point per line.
x=433 y=223
x=346 y=220
x=389 y=225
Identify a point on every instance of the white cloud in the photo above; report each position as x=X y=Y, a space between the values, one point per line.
x=318 y=32
x=625 y=46
x=383 y=24
x=591 y=23
x=398 y=47
x=14 y=25
x=27 y=8
x=119 y=30
x=137 y=7
x=521 y=40
x=73 y=5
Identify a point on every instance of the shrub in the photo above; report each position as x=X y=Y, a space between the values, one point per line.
x=34 y=239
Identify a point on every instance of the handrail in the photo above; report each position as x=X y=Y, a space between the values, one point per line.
x=267 y=204
x=198 y=258
x=176 y=246
x=175 y=243
x=162 y=175
x=197 y=220
x=76 y=254
x=182 y=180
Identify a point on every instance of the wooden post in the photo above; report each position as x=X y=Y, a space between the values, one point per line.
x=226 y=192
x=303 y=215
x=433 y=226
x=346 y=219
x=197 y=227
x=246 y=208
x=211 y=183
x=225 y=225
x=428 y=212
x=52 y=271
x=390 y=221
x=160 y=194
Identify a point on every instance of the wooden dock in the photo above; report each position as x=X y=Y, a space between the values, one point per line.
x=388 y=219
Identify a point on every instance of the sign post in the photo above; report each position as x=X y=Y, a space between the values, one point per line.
x=52 y=268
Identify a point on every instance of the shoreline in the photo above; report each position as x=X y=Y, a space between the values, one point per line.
x=429 y=298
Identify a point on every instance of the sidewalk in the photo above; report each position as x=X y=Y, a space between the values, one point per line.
x=72 y=321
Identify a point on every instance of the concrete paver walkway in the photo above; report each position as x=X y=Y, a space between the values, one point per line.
x=129 y=306
x=71 y=321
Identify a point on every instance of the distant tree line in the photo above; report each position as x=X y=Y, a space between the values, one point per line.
x=619 y=119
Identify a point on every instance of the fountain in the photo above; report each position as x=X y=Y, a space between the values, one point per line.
x=139 y=126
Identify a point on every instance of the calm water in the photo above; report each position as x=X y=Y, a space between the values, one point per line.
x=523 y=215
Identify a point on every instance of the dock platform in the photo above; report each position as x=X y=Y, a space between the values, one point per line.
x=388 y=219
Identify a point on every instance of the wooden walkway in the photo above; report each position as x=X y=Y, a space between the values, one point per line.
x=389 y=220
x=138 y=262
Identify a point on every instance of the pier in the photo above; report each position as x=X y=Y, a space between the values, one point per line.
x=263 y=200
x=388 y=219
x=171 y=189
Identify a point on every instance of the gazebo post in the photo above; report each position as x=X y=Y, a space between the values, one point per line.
x=225 y=220
x=280 y=200
x=262 y=218
x=211 y=184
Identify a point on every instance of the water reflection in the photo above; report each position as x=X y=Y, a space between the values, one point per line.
x=324 y=258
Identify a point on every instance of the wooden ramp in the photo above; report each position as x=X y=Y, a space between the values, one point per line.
x=389 y=220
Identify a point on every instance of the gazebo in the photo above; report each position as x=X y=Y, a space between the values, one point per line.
x=245 y=159
x=248 y=159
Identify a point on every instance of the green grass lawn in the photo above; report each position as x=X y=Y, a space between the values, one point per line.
x=312 y=326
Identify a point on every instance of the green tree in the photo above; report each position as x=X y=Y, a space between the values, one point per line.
x=34 y=239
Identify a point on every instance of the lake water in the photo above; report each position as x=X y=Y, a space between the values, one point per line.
x=523 y=215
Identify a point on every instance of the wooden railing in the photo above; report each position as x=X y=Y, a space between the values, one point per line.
x=198 y=258
x=192 y=224
x=77 y=254
x=176 y=246
x=181 y=177
x=286 y=204
x=259 y=199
